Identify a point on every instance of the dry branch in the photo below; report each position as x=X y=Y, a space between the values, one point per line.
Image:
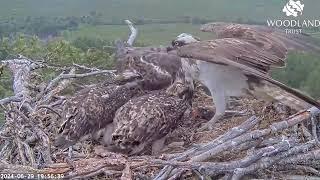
x=26 y=134
x=21 y=70
x=134 y=33
x=71 y=75
x=10 y=99
x=222 y=144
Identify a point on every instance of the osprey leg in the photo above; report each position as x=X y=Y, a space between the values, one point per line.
x=220 y=102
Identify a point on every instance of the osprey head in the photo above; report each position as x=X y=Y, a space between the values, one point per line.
x=184 y=39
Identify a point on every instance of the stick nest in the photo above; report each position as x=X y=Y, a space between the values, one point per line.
x=266 y=141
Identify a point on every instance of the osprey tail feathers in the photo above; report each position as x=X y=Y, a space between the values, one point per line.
x=271 y=90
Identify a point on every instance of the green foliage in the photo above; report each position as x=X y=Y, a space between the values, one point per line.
x=302 y=72
x=84 y=43
x=58 y=52
x=312 y=83
x=28 y=46
x=40 y=26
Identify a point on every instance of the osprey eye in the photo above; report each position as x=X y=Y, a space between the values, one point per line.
x=176 y=43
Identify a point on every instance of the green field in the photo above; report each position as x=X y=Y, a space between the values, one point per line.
x=227 y=10
x=156 y=34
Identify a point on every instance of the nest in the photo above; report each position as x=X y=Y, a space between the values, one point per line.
x=257 y=140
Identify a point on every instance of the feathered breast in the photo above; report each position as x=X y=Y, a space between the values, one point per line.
x=147 y=118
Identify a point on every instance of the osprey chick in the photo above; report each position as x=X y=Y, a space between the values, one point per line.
x=156 y=67
x=92 y=109
x=145 y=120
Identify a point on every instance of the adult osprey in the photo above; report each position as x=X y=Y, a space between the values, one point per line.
x=238 y=62
x=92 y=109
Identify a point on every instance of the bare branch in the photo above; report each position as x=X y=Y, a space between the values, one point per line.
x=71 y=75
x=306 y=169
x=234 y=132
x=205 y=152
x=21 y=69
x=67 y=76
x=134 y=33
x=10 y=99
x=269 y=161
x=85 y=67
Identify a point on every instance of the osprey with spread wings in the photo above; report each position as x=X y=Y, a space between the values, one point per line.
x=238 y=62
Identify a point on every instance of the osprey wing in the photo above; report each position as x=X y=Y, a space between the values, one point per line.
x=231 y=51
x=273 y=40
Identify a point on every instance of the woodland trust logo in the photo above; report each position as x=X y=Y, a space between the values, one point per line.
x=293 y=9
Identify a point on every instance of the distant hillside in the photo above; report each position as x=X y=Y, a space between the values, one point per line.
x=220 y=10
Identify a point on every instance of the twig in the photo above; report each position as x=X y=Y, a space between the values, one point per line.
x=50 y=108
x=298 y=177
x=85 y=67
x=10 y=99
x=67 y=76
x=305 y=158
x=21 y=152
x=306 y=169
x=45 y=141
x=71 y=75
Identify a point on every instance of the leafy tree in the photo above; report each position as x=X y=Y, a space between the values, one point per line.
x=58 y=52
